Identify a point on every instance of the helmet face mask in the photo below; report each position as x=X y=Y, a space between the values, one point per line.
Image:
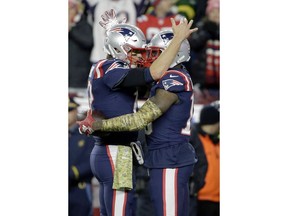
x=143 y=57
x=162 y=41
x=152 y=54
x=136 y=57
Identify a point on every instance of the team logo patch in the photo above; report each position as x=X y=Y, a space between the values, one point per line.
x=167 y=37
x=170 y=82
x=127 y=33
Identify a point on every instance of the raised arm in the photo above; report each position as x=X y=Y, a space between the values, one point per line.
x=163 y=62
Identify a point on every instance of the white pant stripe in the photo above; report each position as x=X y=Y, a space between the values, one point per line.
x=120 y=199
x=170 y=195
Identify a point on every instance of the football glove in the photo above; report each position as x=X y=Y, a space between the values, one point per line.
x=85 y=126
x=109 y=19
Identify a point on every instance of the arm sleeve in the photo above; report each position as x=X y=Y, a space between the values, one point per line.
x=136 y=77
x=133 y=122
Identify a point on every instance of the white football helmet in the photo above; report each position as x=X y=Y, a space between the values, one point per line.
x=163 y=39
x=122 y=38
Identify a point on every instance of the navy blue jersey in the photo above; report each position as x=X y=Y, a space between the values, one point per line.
x=103 y=94
x=168 y=142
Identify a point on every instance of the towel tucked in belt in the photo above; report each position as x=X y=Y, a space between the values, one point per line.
x=123 y=169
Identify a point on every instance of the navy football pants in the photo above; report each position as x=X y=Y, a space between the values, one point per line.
x=169 y=190
x=112 y=202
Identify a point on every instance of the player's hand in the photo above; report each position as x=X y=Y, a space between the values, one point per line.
x=182 y=30
x=109 y=19
x=85 y=126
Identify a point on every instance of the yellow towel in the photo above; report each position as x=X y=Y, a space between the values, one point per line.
x=123 y=169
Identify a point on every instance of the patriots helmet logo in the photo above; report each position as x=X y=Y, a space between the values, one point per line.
x=170 y=82
x=127 y=33
x=166 y=37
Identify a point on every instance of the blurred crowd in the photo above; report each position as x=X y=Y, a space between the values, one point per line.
x=86 y=39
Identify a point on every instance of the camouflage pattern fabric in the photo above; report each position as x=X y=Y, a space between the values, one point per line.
x=136 y=121
x=123 y=169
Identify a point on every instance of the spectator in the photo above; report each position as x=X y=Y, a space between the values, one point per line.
x=197 y=179
x=205 y=47
x=80 y=45
x=208 y=131
x=187 y=8
x=142 y=6
x=158 y=17
x=80 y=174
x=200 y=8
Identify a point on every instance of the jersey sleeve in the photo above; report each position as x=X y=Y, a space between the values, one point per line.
x=114 y=73
x=175 y=82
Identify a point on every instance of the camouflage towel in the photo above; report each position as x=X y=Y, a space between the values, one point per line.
x=123 y=169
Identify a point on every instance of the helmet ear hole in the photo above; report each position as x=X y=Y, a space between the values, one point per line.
x=117 y=51
x=126 y=47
